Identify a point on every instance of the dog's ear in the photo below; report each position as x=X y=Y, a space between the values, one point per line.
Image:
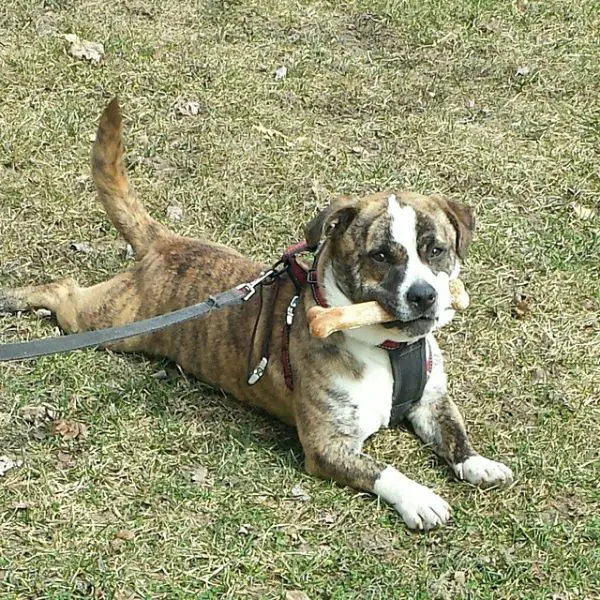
x=462 y=219
x=335 y=217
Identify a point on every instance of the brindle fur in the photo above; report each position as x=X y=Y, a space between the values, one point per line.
x=173 y=271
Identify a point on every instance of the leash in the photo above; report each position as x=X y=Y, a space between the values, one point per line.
x=77 y=341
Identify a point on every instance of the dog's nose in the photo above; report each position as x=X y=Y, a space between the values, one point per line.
x=421 y=295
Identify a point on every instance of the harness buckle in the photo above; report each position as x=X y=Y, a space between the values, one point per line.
x=291 y=309
x=259 y=371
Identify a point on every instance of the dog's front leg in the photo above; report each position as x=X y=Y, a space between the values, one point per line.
x=339 y=458
x=437 y=421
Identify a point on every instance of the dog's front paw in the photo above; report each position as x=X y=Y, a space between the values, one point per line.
x=418 y=506
x=484 y=472
x=422 y=509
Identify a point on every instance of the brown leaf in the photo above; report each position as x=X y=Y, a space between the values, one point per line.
x=34 y=414
x=520 y=304
x=328 y=518
x=91 y=51
x=187 y=108
x=296 y=595
x=583 y=212
x=82 y=247
x=69 y=430
x=65 y=459
x=280 y=73
x=7 y=463
x=124 y=534
x=245 y=529
x=299 y=494
x=199 y=475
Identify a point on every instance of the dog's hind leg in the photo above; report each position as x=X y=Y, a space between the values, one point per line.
x=110 y=303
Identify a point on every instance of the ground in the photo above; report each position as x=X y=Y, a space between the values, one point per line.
x=178 y=492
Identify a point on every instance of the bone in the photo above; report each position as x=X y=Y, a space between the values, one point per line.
x=322 y=322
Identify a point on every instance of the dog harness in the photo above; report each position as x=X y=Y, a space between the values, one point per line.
x=411 y=362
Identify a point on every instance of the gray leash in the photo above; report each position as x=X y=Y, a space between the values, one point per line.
x=66 y=343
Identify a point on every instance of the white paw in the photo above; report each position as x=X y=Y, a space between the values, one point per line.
x=484 y=472
x=422 y=509
x=419 y=507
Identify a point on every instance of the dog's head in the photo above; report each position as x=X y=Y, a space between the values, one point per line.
x=399 y=249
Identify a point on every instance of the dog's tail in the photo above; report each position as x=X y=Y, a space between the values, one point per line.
x=124 y=209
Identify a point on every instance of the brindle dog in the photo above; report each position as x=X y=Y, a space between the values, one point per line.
x=399 y=249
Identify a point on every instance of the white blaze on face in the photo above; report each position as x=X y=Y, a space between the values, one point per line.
x=404 y=232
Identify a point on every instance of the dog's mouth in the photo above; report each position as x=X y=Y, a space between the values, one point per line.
x=418 y=326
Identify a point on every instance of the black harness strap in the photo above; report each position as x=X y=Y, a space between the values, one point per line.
x=409 y=367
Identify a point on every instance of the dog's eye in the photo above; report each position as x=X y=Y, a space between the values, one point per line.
x=437 y=251
x=379 y=256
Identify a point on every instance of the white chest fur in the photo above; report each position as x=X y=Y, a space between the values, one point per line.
x=369 y=396
x=368 y=399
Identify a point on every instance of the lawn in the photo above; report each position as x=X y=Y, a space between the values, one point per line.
x=177 y=491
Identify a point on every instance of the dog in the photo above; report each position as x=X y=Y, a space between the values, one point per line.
x=400 y=249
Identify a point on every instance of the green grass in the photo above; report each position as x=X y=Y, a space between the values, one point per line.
x=421 y=94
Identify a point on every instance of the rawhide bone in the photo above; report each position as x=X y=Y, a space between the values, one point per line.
x=322 y=322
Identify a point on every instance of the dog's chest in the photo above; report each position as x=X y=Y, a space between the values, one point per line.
x=367 y=400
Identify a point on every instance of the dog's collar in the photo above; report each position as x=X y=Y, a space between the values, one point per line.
x=300 y=277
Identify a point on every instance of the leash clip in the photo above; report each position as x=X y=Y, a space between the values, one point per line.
x=259 y=371
x=291 y=309
x=250 y=286
x=266 y=277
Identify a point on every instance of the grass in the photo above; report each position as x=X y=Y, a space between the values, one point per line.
x=493 y=103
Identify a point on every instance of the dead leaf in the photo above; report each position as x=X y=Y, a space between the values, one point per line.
x=174 y=213
x=299 y=494
x=65 y=459
x=280 y=73
x=520 y=304
x=36 y=414
x=296 y=595
x=82 y=247
x=245 y=529
x=460 y=577
x=583 y=212
x=328 y=518
x=46 y=25
x=170 y=372
x=187 y=108
x=7 y=463
x=160 y=375
x=538 y=375
x=43 y=313
x=128 y=252
x=22 y=505
x=91 y=51
x=523 y=71
x=69 y=430
x=375 y=543
x=199 y=475
x=125 y=534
